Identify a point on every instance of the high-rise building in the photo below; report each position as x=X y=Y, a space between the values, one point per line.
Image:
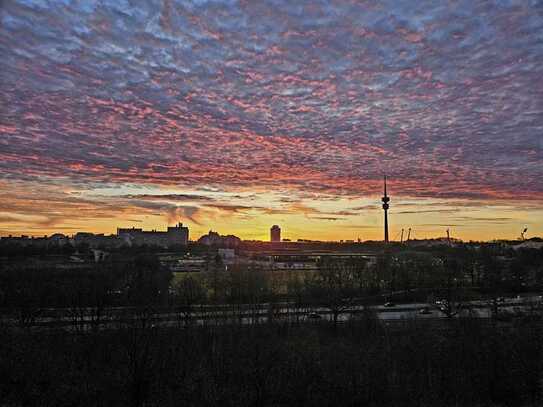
x=386 y=200
x=275 y=233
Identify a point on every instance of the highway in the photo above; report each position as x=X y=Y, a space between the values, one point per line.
x=119 y=317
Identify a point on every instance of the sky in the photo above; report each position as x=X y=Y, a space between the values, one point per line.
x=237 y=115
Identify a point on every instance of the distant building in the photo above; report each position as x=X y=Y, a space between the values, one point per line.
x=184 y=263
x=529 y=244
x=58 y=239
x=227 y=255
x=24 y=241
x=97 y=241
x=99 y=255
x=214 y=239
x=174 y=235
x=440 y=241
x=275 y=233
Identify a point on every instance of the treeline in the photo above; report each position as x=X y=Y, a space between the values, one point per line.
x=457 y=275
x=29 y=291
x=462 y=362
x=11 y=250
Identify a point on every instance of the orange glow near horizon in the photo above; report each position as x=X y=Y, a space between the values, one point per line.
x=250 y=215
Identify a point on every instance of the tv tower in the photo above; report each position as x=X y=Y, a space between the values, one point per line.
x=386 y=200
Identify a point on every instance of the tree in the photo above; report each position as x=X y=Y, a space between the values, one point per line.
x=450 y=272
x=247 y=290
x=147 y=286
x=335 y=286
x=491 y=281
x=25 y=293
x=296 y=292
x=188 y=293
x=147 y=281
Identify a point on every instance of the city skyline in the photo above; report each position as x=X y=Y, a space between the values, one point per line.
x=237 y=116
x=403 y=235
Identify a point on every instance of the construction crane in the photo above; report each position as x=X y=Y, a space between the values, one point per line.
x=523 y=233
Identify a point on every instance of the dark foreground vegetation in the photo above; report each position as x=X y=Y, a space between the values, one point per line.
x=458 y=362
x=292 y=360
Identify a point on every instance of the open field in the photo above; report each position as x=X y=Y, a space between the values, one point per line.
x=278 y=280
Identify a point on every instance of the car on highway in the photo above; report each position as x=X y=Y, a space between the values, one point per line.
x=314 y=316
x=389 y=304
x=425 y=311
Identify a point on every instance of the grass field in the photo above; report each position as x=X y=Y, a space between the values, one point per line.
x=276 y=280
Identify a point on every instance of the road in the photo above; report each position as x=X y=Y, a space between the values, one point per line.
x=85 y=318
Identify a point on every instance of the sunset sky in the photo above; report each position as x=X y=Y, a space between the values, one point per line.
x=237 y=115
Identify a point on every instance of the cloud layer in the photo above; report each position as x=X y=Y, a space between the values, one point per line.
x=301 y=97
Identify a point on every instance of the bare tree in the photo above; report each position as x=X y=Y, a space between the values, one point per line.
x=451 y=302
x=188 y=293
x=334 y=286
x=296 y=293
